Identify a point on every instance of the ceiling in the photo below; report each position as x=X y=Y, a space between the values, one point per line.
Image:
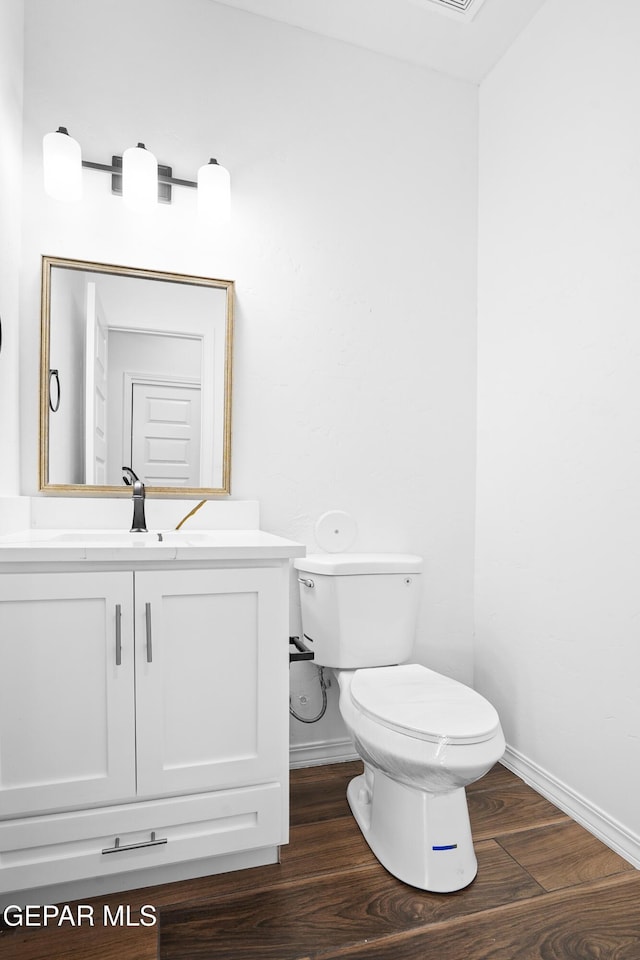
x=464 y=43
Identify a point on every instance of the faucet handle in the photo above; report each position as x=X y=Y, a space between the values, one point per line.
x=132 y=476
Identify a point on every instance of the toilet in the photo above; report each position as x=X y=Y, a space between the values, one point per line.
x=422 y=736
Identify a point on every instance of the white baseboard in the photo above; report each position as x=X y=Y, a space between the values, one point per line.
x=321 y=752
x=593 y=819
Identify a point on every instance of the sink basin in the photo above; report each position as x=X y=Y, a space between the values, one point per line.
x=107 y=538
x=123 y=538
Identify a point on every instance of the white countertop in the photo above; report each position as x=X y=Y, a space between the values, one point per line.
x=55 y=546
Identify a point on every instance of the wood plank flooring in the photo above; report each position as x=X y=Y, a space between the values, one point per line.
x=546 y=890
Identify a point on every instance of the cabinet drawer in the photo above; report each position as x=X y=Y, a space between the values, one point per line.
x=39 y=851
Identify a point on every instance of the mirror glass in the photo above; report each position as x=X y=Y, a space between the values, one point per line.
x=135 y=371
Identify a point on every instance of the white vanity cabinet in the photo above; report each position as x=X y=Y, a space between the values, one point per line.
x=143 y=724
x=66 y=703
x=210 y=650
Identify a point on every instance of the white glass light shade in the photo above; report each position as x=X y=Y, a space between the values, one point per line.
x=214 y=193
x=62 y=165
x=139 y=179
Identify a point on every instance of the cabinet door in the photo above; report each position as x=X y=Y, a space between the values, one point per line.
x=211 y=678
x=66 y=703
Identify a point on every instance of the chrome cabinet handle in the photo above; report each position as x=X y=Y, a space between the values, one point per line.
x=118 y=635
x=120 y=847
x=147 y=614
x=307 y=583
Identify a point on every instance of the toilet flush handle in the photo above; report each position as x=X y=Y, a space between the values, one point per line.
x=307 y=583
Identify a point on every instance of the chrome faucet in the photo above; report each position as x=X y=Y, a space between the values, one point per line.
x=139 y=524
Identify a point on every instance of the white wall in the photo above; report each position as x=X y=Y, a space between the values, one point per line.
x=11 y=60
x=353 y=245
x=558 y=503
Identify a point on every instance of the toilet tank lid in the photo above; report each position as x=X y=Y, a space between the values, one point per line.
x=348 y=564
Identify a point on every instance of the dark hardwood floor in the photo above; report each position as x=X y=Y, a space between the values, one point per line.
x=546 y=890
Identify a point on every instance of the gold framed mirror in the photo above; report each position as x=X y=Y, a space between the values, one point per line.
x=135 y=371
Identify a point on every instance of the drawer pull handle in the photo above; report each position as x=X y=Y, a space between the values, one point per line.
x=120 y=848
x=147 y=613
x=118 y=634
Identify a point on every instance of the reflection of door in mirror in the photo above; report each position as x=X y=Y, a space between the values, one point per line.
x=154 y=420
x=165 y=433
x=95 y=389
x=145 y=366
x=66 y=354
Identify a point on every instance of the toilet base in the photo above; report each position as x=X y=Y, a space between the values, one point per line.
x=423 y=839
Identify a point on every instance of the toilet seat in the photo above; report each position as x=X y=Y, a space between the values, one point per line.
x=422 y=704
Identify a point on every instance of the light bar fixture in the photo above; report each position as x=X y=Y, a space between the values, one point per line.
x=136 y=176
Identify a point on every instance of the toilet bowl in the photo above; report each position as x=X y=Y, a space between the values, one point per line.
x=410 y=803
x=422 y=736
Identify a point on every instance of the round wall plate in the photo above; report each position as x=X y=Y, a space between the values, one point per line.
x=335 y=531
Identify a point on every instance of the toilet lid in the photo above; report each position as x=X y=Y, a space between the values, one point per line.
x=423 y=704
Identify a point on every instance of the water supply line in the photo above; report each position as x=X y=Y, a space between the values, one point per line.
x=323 y=708
x=191 y=513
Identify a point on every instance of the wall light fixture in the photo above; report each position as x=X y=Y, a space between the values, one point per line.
x=136 y=176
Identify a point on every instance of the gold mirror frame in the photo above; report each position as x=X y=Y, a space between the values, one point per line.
x=84 y=489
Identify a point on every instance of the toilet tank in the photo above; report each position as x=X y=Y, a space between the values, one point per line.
x=359 y=610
